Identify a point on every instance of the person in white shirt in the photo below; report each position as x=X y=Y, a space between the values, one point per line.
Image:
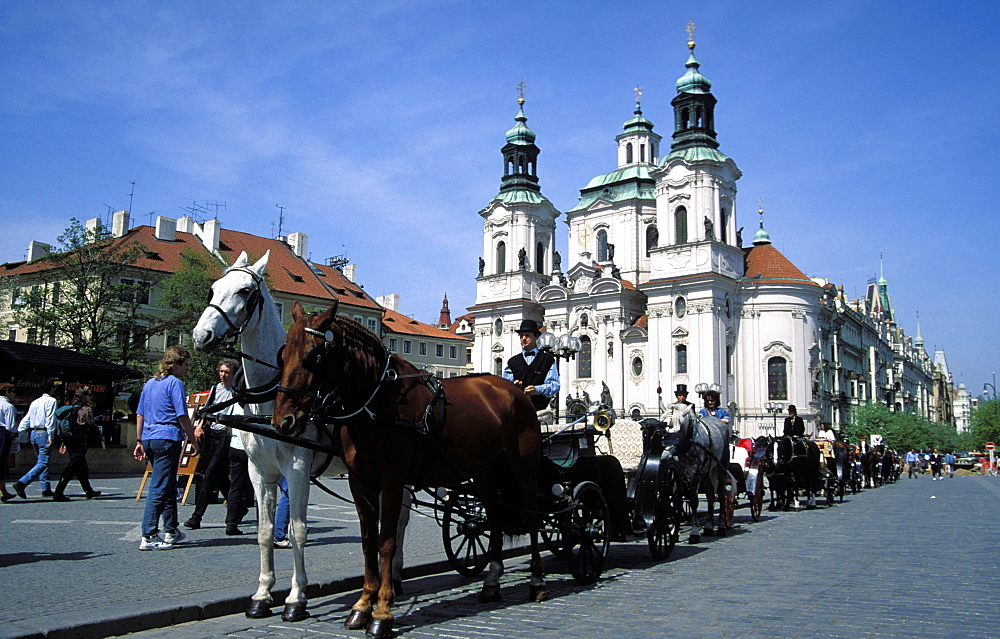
x=8 y=431
x=41 y=421
x=826 y=432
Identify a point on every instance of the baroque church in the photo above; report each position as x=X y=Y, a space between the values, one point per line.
x=655 y=282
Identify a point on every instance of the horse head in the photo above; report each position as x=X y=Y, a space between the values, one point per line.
x=306 y=366
x=234 y=300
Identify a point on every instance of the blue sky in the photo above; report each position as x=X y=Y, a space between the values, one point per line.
x=868 y=128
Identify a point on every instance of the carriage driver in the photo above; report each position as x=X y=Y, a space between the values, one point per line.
x=794 y=426
x=533 y=370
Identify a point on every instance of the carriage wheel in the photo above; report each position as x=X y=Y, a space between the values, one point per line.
x=672 y=493
x=757 y=497
x=551 y=533
x=466 y=534
x=728 y=502
x=828 y=490
x=663 y=533
x=585 y=533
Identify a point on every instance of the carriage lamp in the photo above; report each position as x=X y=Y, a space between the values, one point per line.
x=703 y=388
x=565 y=346
x=774 y=408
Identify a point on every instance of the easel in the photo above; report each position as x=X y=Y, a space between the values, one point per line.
x=189 y=459
x=186 y=467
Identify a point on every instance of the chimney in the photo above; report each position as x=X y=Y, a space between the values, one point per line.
x=351 y=272
x=37 y=250
x=390 y=301
x=210 y=234
x=119 y=223
x=93 y=226
x=185 y=224
x=300 y=244
x=166 y=229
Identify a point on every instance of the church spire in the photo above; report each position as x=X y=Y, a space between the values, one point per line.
x=761 y=236
x=694 y=105
x=444 y=319
x=520 y=155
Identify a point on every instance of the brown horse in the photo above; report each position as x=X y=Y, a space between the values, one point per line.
x=398 y=425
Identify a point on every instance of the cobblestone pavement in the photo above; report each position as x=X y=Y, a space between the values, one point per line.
x=913 y=559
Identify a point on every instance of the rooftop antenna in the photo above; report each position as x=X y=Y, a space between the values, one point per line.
x=281 y=217
x=196 y=211
x=216 y=205
x=131 y=193
x=151 y=214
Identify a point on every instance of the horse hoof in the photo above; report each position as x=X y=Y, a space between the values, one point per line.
x=537 y=594
x=258 y=609
x=295 y=612
x=358 y=619
x=489 y=594
x=379 y=629
x=397 y=586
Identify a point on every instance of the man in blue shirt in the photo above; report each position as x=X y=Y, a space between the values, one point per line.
x=533 y=370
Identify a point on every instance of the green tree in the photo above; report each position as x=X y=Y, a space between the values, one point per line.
x=867 y=419
x=185 y=293
x=985 y=425
x=86 y=296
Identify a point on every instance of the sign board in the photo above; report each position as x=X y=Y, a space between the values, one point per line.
x=990 y=445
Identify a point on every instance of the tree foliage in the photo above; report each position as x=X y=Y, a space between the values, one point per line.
x=184 y=294
x=902 y=431
x=87 y=297
x=985 y=425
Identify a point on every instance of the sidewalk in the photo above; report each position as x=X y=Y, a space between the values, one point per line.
x=75 y=569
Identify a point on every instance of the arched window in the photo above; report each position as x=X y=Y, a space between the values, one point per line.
x=681 y=225
x=602 y=246
x=777 y=378
x=682 y=358
x=501 y=257
x=723 y=236
x=540 y=257
x=583 y=358
x=497 y=366
x=685 y=117
x=652 y=238
x=628 y=153
x=642 y=152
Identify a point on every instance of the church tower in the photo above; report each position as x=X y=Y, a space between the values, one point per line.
x=519 y=226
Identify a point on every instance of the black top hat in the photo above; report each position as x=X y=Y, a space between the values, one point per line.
x=682 y=389
x=529 y=326
x=792 y=409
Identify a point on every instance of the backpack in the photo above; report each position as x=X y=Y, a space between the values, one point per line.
x=66 y=426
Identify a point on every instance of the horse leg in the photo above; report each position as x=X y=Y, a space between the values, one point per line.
x=298 y=502
x=695 y=536
x=382 y=618
x=366 y=503
x=491 y=585
x=397 y=560
x=265 y=488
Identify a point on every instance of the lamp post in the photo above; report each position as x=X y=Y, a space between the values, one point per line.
x=774 y=408
x=565 y=346
x=987 y=386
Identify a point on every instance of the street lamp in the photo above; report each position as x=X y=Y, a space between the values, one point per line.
x=565 y=346
x=774 y=408
x=987 y=386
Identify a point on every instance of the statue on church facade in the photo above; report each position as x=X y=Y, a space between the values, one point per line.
x=556 y=262
x=522 y=259
x=482 y=266
x=709 y=229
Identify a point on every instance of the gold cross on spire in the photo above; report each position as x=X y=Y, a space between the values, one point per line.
x=690 y=30
x=638 y=93
x=520 y=91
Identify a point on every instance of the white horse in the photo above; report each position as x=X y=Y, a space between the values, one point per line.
x=240 y=304
x=705 y=456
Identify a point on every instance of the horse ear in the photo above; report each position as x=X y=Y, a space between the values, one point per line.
x=327 y=316
x=261 y=264
x=241 y=260
x=297 y=311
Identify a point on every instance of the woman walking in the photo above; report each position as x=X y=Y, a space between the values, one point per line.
x=75 y=444
x=161 y=425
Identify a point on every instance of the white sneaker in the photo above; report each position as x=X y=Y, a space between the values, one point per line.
x=175 y=538
x=282 y=543
x=153 y=543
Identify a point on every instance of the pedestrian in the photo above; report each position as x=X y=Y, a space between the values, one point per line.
x=935 y=460
x=794 y=426
x=240 y=490
x=161 y=423
x=826 y=432
x=949 y=464
x=282 y=516
x=8 y=431
x=213 y=442
x=911 y=463
x=41 y=421
x=75 y=444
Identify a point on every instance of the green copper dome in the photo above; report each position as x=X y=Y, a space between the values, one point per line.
x=520 y=133
x=693 y=81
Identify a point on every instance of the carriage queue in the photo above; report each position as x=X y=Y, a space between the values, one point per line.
x=475 y=450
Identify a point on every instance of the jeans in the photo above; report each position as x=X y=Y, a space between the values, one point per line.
x=40 y=471
x=164 y=455
x=281 y=515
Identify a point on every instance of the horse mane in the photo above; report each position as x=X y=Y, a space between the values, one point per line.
x=363 y=360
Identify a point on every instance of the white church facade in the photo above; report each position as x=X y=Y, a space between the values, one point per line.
x=655 y=282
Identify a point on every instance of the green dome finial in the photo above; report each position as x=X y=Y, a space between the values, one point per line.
x=761 y=236
x=693 y=81
x=520 y=133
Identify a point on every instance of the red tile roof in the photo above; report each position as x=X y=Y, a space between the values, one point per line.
x=399 y=323
x=764 y=262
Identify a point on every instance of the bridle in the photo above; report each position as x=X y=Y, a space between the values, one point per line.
x=254 y=306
